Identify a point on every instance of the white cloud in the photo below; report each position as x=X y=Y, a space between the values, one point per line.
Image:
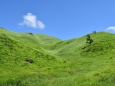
x=40 y=24
x=30 y=20
x=112 y=28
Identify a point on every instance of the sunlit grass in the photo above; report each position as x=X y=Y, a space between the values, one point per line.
x=56 y=62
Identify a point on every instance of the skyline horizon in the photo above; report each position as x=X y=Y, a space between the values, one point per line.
x=61 y=19
x=54 y=36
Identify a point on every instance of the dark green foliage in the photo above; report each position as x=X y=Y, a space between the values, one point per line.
x=94 y=32
x=31 y=33
x=88 y=39
x=29 y=60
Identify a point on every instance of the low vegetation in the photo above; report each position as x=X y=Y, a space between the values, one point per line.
x=28 y=59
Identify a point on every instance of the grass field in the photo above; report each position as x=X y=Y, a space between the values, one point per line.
x=39 y=60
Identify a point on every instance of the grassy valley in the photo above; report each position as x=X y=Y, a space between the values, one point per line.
x=28 y=59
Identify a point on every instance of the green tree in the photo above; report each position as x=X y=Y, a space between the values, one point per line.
x=88 y=39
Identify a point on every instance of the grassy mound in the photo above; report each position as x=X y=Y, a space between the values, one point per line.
x=18 y=58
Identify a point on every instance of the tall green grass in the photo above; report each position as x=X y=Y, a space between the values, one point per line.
x=56 y=62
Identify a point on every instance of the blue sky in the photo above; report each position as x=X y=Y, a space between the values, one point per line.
x=64 y=19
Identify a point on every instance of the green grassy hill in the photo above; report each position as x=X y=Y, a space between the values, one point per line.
x=28 y=59
x=102 y=42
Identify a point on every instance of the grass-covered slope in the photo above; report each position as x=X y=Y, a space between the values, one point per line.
x=39 y=60
x=17 y=58
x=33 y=40
x=95 y=64
x=103 y=43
